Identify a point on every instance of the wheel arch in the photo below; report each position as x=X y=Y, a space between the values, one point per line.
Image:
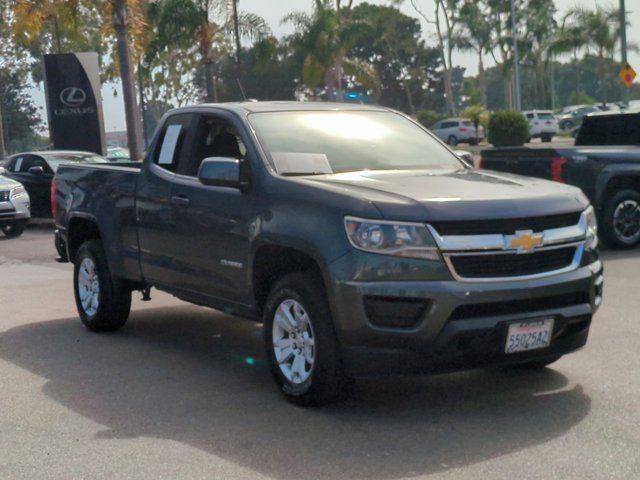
x=80 y=229
x=271 y=261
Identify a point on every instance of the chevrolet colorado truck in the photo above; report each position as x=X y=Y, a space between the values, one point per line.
x=358 y=239
x=604 y=163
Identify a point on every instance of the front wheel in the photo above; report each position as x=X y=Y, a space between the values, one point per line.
x=620 y=222
x=452 y=141
x=302 y=347
x=13 y=230
x=103 y=302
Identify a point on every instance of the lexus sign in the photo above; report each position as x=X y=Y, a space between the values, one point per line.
x=73 y=97
x=74 y=104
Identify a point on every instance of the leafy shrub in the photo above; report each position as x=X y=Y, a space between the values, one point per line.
x=508 y=129
x=428 y=117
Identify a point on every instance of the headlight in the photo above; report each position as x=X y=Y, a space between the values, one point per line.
x=390 y=238
x=17 y=192
x=592 y=229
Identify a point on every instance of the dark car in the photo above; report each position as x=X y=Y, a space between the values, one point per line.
x=35 y=170
x=359 y=240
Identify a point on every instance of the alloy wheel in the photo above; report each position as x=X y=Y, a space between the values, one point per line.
x=293 y=341
x=89 y=286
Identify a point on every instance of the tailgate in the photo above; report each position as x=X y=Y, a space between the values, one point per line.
x=532 y=162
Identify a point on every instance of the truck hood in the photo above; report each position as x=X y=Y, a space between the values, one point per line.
x=467 y=194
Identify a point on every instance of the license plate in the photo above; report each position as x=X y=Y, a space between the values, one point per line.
x=529 y=335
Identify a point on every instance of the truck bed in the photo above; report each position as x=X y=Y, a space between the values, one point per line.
x=104 y=193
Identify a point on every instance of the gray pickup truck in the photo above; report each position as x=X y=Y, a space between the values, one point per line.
x=359 y=240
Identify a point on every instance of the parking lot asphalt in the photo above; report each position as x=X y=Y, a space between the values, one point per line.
x=183 y=392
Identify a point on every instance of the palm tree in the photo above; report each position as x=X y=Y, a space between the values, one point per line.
x=595 y=30
x=325 y=38
x=540 y=37
x=120 y=14
x=210 y=23
x=475 y=35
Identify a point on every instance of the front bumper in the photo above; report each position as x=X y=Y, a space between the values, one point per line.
x=464 y=324
x=15 y=210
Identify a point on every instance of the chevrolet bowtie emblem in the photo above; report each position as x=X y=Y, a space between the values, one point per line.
x=524 y=241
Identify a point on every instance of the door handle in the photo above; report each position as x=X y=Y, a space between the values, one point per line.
x=180 y=200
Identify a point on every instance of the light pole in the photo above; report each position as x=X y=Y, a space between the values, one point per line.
x=516 y=58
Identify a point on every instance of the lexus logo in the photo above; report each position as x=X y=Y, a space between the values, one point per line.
x=73 y=97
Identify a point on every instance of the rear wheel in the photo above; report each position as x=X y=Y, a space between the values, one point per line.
x=13 y=230
x=103 y=302
x=547 y=138
x=620 y=223
x=302 y=347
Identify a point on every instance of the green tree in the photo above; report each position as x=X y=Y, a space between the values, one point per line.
x=19 y=118
x=326 y=37
x=445 y=20
x=390 y=41
x=598 y=30
x=210 y=25
x=475 y=34
x=538 y=43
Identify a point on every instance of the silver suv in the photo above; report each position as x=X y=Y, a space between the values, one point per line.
x=15 y=209
x=457 y=130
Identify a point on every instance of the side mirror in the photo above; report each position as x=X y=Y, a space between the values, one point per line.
x=36 y=171
x=220 y=172
x=464 y=156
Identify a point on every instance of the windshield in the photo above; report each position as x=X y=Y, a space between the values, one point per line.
x=317 y=142
x=55 y=161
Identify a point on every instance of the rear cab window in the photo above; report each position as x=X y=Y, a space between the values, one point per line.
x=171 y=145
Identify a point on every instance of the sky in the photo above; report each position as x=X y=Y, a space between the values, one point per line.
x=273 y=11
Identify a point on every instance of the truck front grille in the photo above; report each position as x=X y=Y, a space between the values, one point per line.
x=4 y=195
x=506 y=226
x=512 y=264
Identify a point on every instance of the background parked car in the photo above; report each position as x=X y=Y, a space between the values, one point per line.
x=35 y=170
x=118 y=154
x=573 y=118
x=457 y=130
x=542 y=124
x=14 y=207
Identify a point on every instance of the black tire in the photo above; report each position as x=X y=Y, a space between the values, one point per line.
x=13 y=230
x=611 y=229
x=113 y=298
x=538 y=364
x=566 y=126
x=452 y=141
x=547 y=138
x=327 y=381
